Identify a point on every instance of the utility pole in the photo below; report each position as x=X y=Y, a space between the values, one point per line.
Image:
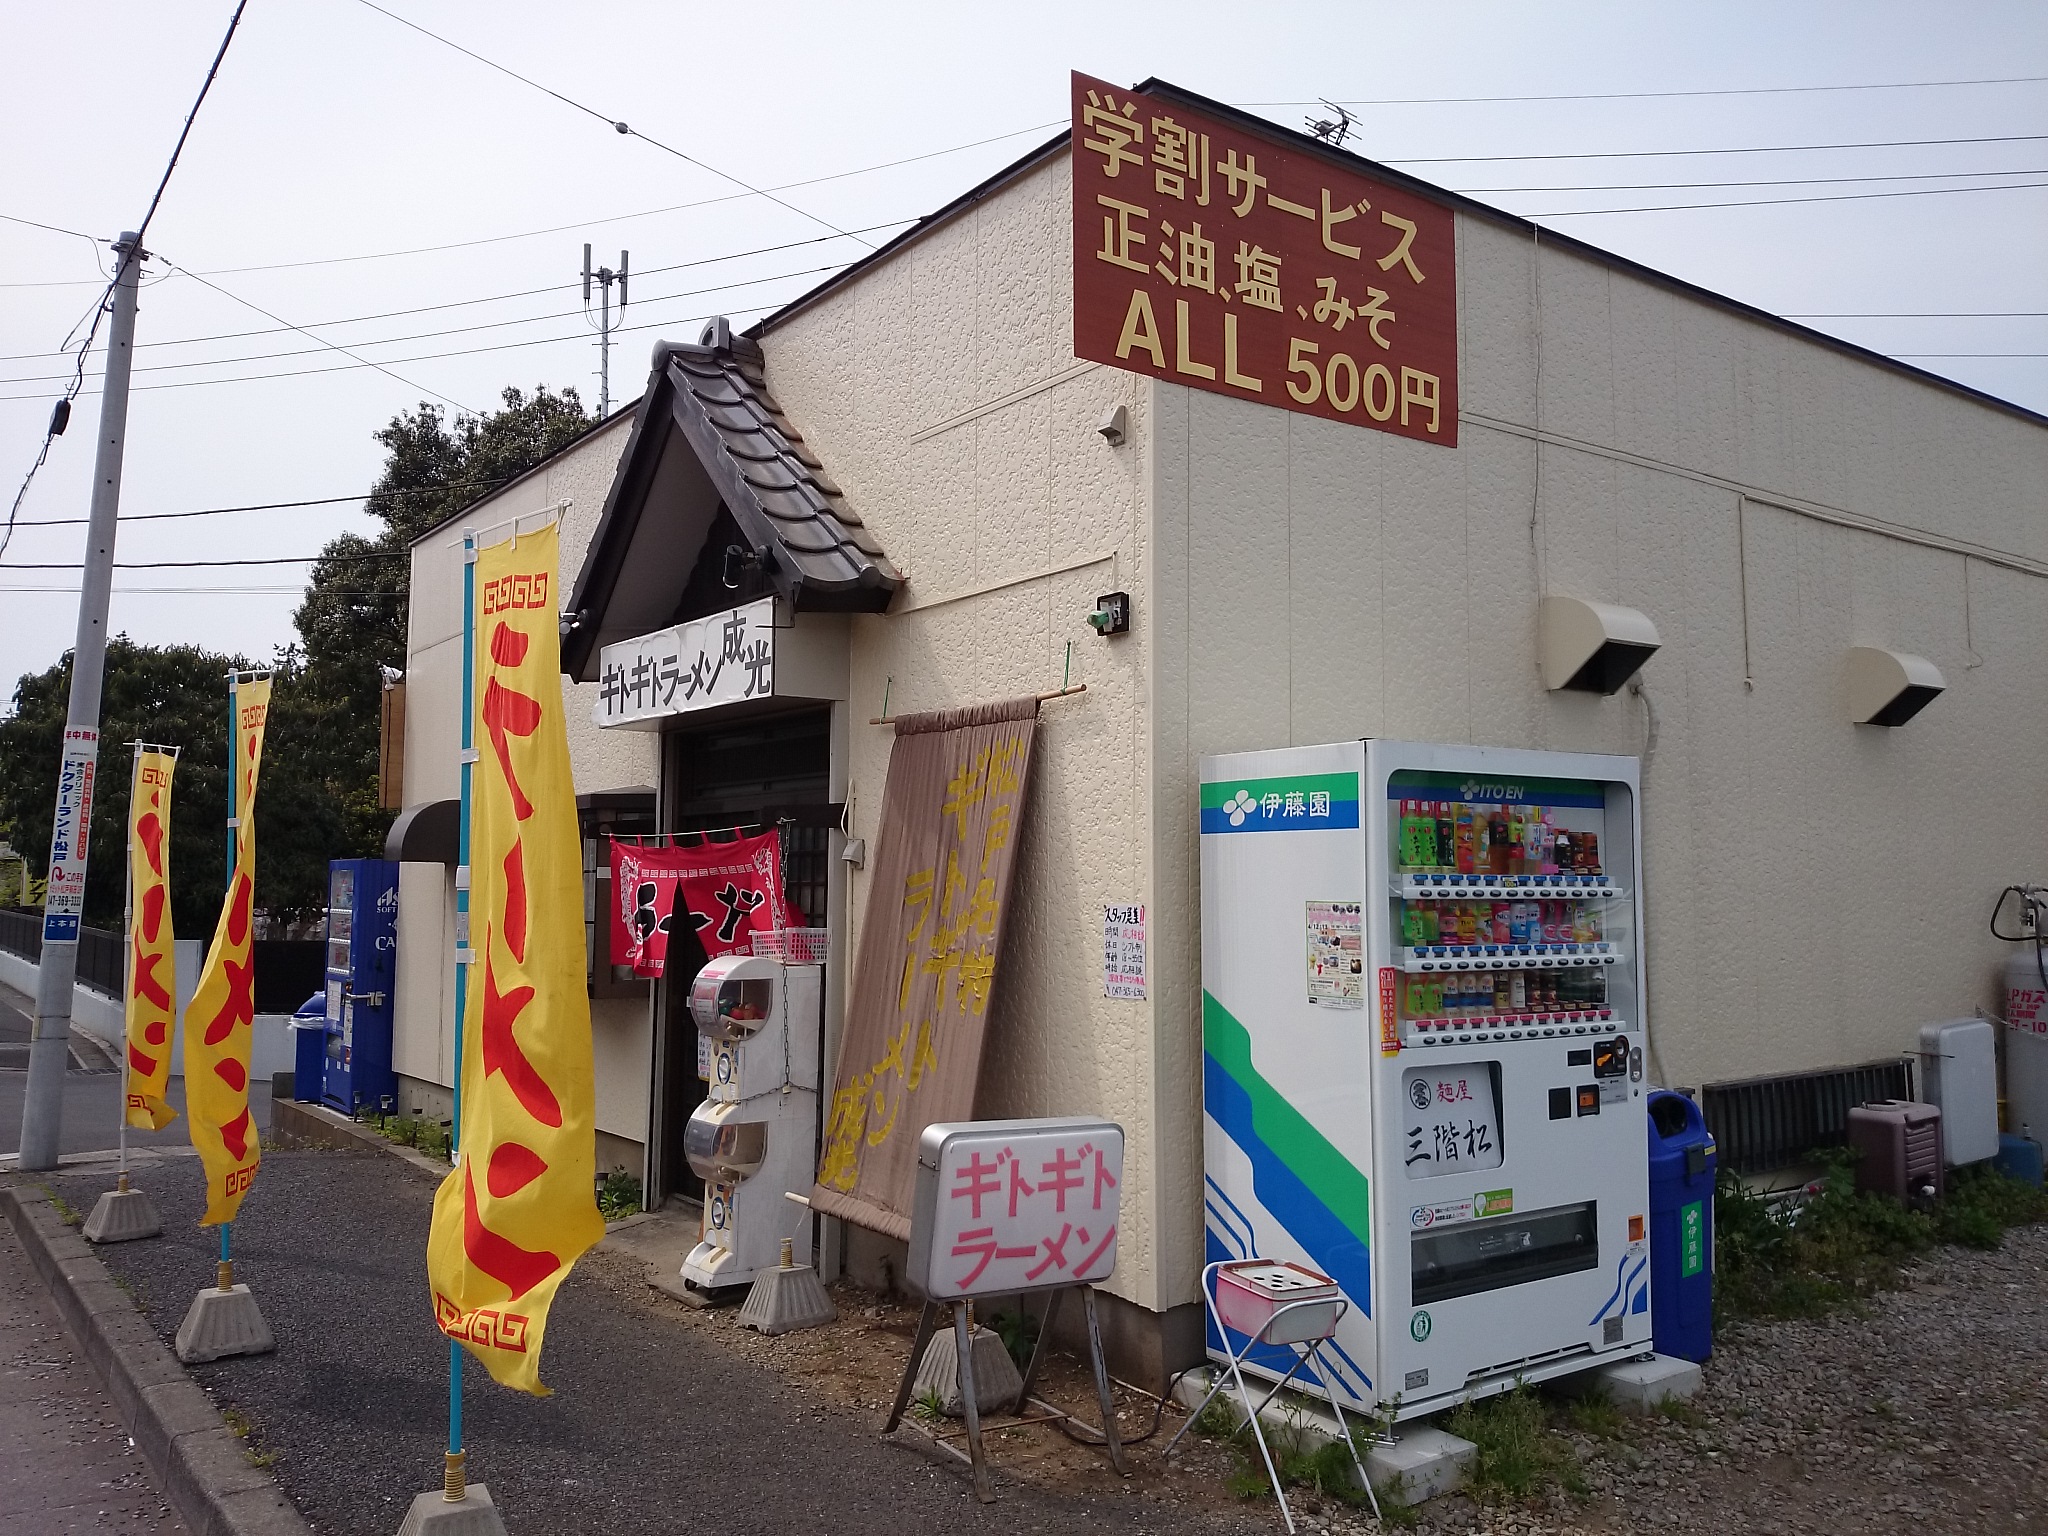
x=605 y=278
x=42 y=1119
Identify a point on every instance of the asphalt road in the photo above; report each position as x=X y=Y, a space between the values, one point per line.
x=66 y=1464
x=652 y=1427
x=92 y=1092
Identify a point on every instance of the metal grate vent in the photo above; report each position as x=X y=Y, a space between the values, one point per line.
x=1767 y=1123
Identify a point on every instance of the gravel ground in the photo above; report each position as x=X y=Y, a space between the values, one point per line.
x=655 y=1424
x=1924 y=1411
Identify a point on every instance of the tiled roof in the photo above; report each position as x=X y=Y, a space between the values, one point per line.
x=772 y=483
x=810 y=546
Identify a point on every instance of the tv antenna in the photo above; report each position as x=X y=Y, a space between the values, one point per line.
x=1332 y=131
x=604 y=277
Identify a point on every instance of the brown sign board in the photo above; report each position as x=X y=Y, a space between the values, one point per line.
x=1210 y=254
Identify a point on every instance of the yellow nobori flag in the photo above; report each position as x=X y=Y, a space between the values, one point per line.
x=152 y=989
x=218 y=1021
x=519 y=1207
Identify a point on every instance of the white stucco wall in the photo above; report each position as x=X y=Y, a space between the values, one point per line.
x=1815 y=890
x=621 y=1030
x=942 y=393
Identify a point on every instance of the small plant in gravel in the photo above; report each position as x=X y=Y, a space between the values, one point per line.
x=416 y=1131
x=619 y=1196
x=1595 y=1414
x=1799 y=1254
x=930 y=1407
x=1519 y=1456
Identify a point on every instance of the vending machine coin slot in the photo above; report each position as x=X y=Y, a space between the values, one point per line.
x=1610 y=1057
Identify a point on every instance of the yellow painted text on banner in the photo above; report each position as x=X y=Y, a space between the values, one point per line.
x=151 y=1002
x=219 y=1020
x=519 y=1209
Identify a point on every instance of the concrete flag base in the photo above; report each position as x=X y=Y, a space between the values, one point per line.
x=786 y=1299
x=121 y=1216
x=222 y=1323
x=433 y=1513
x=996 y=1379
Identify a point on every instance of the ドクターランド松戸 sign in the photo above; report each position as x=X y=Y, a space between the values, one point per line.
x=1212 y=253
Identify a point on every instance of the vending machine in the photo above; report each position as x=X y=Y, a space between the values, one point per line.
x=755 y=1136
x=1422 y=1002
x=362 y=964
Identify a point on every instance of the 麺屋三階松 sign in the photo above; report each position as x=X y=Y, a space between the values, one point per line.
x=725 y=658
x=1213 y=254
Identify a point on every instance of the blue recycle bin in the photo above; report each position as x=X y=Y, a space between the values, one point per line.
x=1682 y=1167
x=309 y=1059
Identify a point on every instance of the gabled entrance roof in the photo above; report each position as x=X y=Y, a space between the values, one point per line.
x=708 y=436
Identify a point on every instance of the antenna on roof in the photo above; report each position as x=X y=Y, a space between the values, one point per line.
x=1332 y=131
x=605 y=277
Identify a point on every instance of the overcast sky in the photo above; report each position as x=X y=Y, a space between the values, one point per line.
x=335 y=134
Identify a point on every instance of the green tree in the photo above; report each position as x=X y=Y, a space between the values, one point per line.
x=173 y=695
x=352 y=623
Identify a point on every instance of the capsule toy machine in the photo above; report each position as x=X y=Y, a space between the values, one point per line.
x=1423 y=1055
x=754 y=1138
x=362 y=964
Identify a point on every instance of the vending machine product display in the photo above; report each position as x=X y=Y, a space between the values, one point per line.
x=362 y=965
x=754 y=1138
x=1422 y=999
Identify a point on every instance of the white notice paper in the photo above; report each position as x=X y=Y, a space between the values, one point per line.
x=1123 y=952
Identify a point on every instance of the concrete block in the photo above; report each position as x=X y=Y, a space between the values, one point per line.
x=1423 y=1462
x=996 y=1378
x=222 y=1323
x=1637 y=1385
x=784 y=1300
x=122 y=1216
x=168 y=1412
x=432 y=1515
x=205 y=1467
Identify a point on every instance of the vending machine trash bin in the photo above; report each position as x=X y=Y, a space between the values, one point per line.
x=1682 y=1165
x=309 y=1056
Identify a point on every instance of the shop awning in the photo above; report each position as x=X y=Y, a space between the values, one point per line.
x=716 y=501
x=427 y=833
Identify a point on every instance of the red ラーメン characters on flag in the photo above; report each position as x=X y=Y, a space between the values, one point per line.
x=223 y=1008
x=150 y=1003
x=519 y=1207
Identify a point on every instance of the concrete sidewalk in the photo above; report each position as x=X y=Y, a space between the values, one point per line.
x=653 y=1427
x=66 y=1464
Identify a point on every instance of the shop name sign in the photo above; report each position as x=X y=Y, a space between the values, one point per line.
x=1215 y=256
x=1004 y=1206
x=725 y=658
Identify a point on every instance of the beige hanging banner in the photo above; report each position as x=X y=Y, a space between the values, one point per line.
x=951 y=817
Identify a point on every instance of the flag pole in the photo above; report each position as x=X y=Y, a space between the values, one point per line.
x=128 y=952
x=226 y=1277
x=456 y=1487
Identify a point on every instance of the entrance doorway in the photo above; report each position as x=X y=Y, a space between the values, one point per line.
x=723 y=780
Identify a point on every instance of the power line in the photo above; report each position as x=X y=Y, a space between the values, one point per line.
x=1920 y=314
x=506 y=346
x=460 y=330
x=55 y=229
x=1779 y=202
x=272 y=506
x=179 y=565
x=614 y=124
x=211 y=591
x=60 y=414
x=324 y=342
x=489 y=298
x=1750 y=90
x=1753 y=149
x=1791 y=181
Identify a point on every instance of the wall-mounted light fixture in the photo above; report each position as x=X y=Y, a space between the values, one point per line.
x=1592 y=647
x=1890 y=687
x=1115 y=426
